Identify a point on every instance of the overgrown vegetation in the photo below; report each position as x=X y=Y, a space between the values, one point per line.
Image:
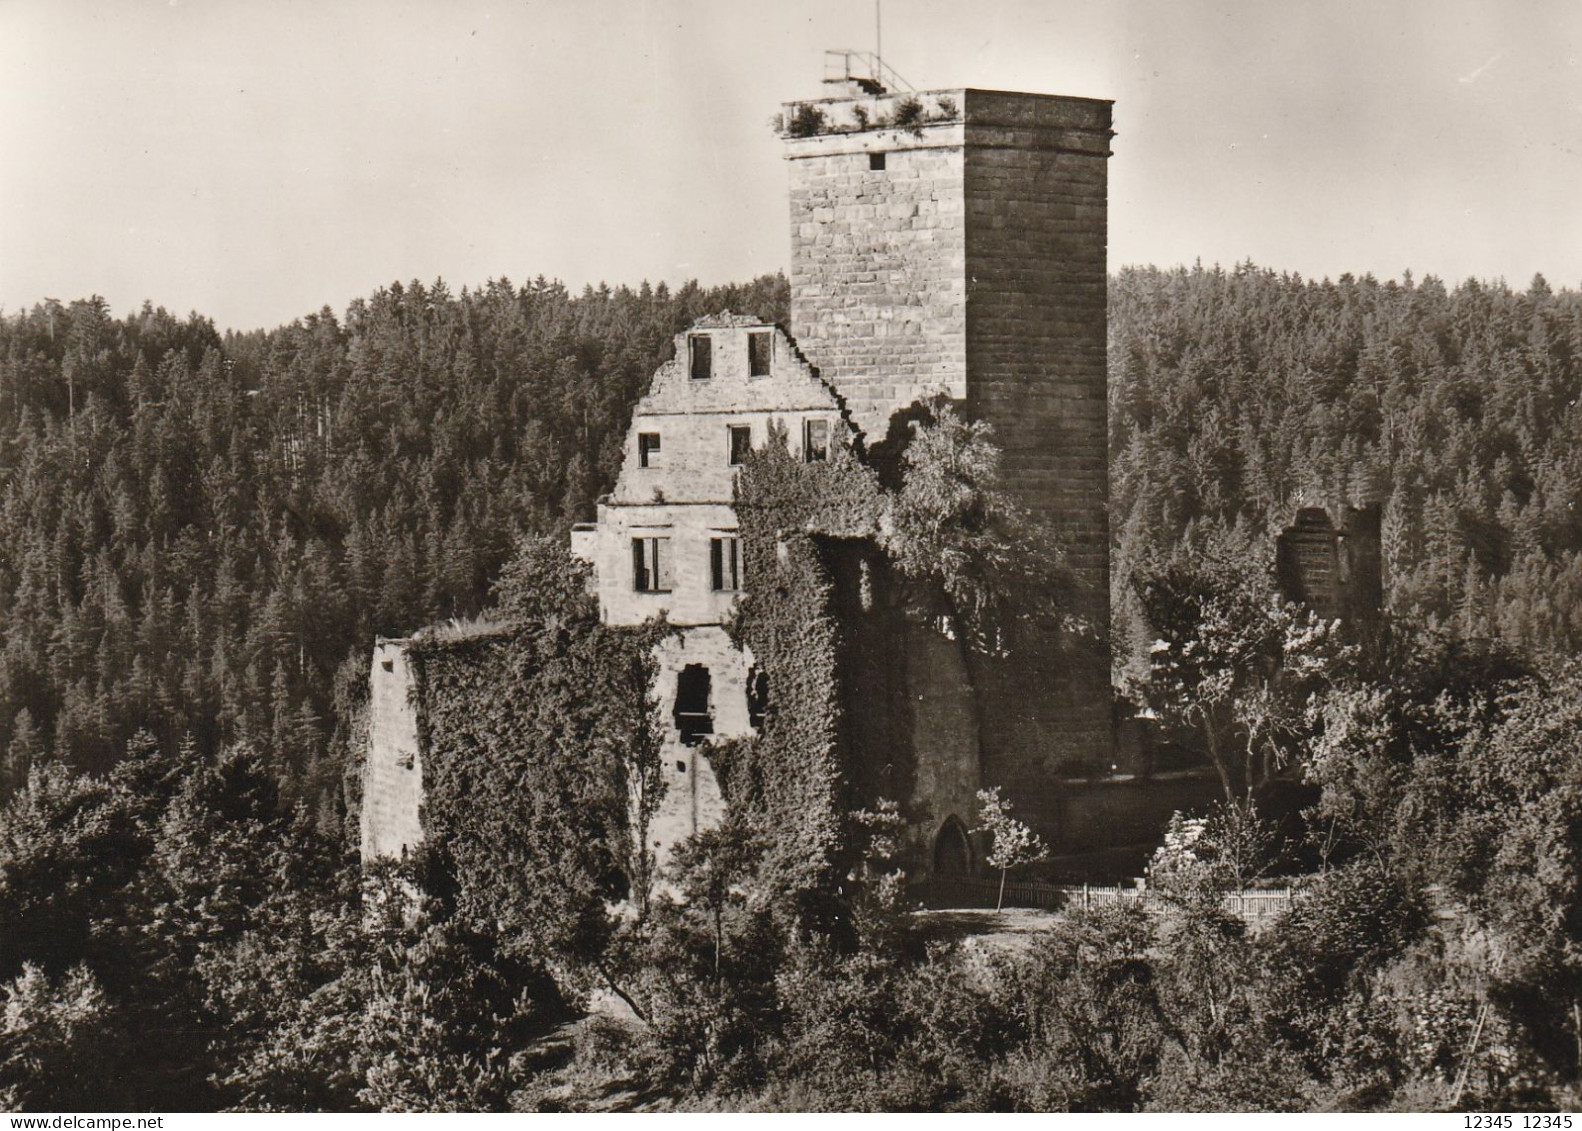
x=1428 y=971
x=180 y=554
x=846 y=564
x=541 y=768
x=180 y=896
x=184 y=895
x=788 y=781
x=1236 y=396
x=972 y=552
x=907 y=113
x=1232 y=664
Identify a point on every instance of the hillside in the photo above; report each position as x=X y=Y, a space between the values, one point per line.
x=201 y=533
x=1236 y=396
x=199 y=530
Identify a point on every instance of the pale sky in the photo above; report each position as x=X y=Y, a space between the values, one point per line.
x=257 y=160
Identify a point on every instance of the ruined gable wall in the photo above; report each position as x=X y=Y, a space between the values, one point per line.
x=686 y=494
x=692 y=416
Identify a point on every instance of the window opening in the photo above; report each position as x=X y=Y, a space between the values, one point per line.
x=815 y=441
x=725 y=564
x=757 y=698
x=741 y=443
x=760 y=351
x=876 y=162
x=648 y=449
x=702 y=357
x=651 y=566
x=692 y=704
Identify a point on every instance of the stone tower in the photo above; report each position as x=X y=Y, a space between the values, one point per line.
x=954 y=241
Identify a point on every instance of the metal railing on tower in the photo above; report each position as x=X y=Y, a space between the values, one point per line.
x=864 y=68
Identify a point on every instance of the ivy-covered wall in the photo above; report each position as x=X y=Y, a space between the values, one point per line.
x=540 y=774
x=914 y=629
x=790 y=781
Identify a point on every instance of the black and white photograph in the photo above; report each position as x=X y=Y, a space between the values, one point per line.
x=720 y=556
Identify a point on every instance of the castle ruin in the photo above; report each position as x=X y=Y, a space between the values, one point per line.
x=943 y=243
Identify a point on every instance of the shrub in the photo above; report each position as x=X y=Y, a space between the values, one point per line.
x=1087 y=998
x=1324 y=950
x=907 y=114
x=806 y=120
x=55 y=1040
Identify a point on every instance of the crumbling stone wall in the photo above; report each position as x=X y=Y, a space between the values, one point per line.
x=1337 y=571
x=685 y=494
x=951 y=242
x=692 y=798
x=393 y=769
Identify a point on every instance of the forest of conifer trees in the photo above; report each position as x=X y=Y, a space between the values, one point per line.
x=1237 y=396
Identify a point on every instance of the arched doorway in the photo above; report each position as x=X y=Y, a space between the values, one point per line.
x=952 y=851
